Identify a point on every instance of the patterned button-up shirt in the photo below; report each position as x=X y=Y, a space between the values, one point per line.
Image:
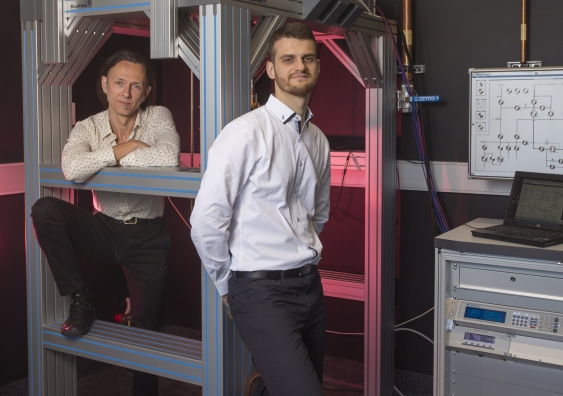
x=89 y=149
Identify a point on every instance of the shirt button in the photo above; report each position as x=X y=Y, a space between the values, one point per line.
x=298 y=220
x=300 y=164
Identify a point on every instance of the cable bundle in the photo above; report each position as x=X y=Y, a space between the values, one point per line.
x=436 y=208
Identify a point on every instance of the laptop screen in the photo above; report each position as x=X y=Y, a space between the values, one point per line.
x=537 y=201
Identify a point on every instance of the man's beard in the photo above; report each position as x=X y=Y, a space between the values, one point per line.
x=297 y=90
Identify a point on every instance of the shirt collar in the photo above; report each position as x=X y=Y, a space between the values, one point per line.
x=283 y=112
x=108 y=131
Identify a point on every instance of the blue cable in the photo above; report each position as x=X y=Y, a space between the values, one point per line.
x=437 y=208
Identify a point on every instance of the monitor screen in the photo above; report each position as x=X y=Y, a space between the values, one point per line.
x=540 y=201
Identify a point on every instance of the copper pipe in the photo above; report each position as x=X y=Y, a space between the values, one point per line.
x=407 y=31
x=524 y=31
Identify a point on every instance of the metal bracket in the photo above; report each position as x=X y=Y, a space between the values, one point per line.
x=525 y=64
x=416 y=69
x=404 y=99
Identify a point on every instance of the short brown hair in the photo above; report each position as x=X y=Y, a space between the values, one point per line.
x=291 y=30
x=133 y=57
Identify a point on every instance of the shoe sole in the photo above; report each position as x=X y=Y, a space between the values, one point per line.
x=249 y=381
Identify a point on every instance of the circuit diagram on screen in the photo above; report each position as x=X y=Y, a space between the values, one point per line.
x=516 y=122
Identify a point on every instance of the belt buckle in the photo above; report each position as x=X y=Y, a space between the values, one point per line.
x=132 y=220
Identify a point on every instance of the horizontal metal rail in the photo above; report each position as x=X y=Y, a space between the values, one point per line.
x=157 y=353
x=165 y=181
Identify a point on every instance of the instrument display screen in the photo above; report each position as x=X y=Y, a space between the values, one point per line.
x=479 y=338
x=485 y=314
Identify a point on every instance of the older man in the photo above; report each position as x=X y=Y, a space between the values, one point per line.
x=127 y=229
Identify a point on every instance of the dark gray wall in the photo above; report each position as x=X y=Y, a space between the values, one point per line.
x=11 y=109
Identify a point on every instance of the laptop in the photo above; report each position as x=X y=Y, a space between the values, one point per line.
x=535 y=212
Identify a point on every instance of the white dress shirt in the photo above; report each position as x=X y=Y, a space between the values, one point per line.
x=89 y=149
x=264 y=198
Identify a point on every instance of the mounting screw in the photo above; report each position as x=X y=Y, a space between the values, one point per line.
x=453 y=353
x=453 y=371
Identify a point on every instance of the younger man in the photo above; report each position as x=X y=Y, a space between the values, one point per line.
x=262 y=204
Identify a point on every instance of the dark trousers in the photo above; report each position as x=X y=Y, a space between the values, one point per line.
x=141 y=249
x=282 y=324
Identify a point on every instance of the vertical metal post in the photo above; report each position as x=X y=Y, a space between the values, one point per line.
x=47 y=98
x=224 y=95
x=380 y=226
x=164 y=29
x=53 y=42
x=31 y=39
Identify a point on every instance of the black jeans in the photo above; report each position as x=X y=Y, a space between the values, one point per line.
x=141 y=249
x=282 y=324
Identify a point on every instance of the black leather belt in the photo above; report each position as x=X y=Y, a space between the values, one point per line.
x=133 y=220
x=136 y=220
x=275 y=275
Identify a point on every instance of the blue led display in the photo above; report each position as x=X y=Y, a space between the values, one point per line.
x=485 y=314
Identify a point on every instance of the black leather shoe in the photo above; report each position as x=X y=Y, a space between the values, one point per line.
x=81 y=314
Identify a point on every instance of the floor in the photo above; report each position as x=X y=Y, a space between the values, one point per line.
x=107 y=380
x=343 y=377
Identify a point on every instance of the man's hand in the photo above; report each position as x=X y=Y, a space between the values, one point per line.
x=226 y=302
x=122 y=149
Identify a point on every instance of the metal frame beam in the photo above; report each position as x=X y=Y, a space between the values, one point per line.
x=343 y=58
x=189 y=43
x=379 y=298
x=53 y=39
x=261 y=33
x=364 y=58
x=224 y=95
x=164 y=29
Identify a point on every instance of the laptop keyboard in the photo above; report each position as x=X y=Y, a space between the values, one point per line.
x=531 y=232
